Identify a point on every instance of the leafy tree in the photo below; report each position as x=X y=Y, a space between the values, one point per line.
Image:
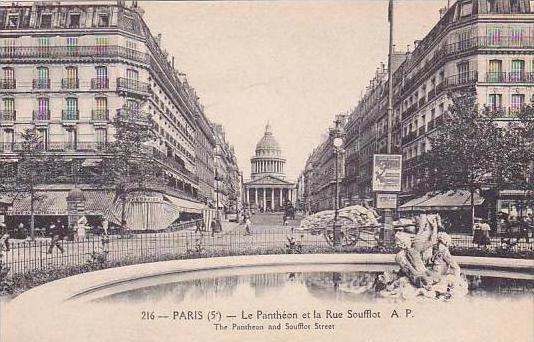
x=465 y=149
x=34 y=167
x=132 y=166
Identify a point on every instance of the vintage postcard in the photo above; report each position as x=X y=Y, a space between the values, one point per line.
x=323 y=170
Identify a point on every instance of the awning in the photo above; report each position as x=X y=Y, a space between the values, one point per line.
x=98 y=202
x=186 y=205
x=450 y=200
x=46 y=203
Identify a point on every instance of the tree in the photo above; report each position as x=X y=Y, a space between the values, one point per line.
x=34 y=167
x=465 y=150
x=132 y=166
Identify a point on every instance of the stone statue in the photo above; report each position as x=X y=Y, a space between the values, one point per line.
x=427 y=267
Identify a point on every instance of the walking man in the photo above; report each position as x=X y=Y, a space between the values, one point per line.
x=58 y=233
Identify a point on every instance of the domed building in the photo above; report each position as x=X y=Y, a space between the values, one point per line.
x=268 y=189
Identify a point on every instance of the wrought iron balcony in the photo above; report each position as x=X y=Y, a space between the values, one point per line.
x=41 y=115
x=408 y=138
x=41 y=83
x=100 y=83
x=496 y=77
x=70 y=83
x=462 y=79
x=132 y=86
x=55 y=52
x=511 y=77
x=8 y=116
x=8 y=83
x=70 y=114
x=100 y=114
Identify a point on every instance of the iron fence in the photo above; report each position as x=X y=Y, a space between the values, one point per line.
x=44 y=253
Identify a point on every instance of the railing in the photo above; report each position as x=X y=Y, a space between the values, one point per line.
x=100 y=114
x=70 y=83
x=408 y=138
x=70 y=114
x=7 y=83
x=8 y=115
x=490 y=42
x=100 y=83
x=41 y=115
x=41 y=83
x=511 y=77
x=462 y=79
x=410 y=110
x=503 y=112
x=54 y=52
x=129 y=85
x=421 y=131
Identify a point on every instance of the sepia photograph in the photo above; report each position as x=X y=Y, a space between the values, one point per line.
x=267 y=170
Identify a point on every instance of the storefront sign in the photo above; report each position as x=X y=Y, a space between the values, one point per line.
x=386 y=201
x=387 y=172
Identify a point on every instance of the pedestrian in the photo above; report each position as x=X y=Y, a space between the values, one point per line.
x=485 y=233
x=105 y=227
x=213 y=227
x=248 y=224
x=523 y=229
x=197 y=226
x=477 y=232
x=4 y=237
x=58 y=233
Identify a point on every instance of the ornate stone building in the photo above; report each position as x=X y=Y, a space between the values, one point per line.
x=268 y=189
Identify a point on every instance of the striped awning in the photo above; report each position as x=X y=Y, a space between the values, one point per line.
x=186 y=205
x=46 y=203
x=451 y=200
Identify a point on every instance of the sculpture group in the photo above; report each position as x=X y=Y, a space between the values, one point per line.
x=427 y=267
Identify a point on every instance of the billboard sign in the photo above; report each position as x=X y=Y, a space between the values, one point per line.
x=387 y=172
x=386 y=201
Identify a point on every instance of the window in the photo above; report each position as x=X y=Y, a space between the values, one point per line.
x=101 y=81
x=71 y=139
x=516 y=36
x=12 y=21
x=7 y=139
x=102 y=44
x=72 y=45
x=464 y=40
x=492 y=6
x=467 y=9
x=514 y=6
x=74 y=20
x=71 y=78
x=493 y=36
x=43 y=112
x=518 y=71
x=101 y=110
x=101 y=138
x=132 y=74
x=518 y=101
x=103 y=20
x=46 y=21
x=8 y=81
x=463 y=72
x=9 y=104
x=495 y=102
x=495 y=73
x=71 y=113
x=42 y=81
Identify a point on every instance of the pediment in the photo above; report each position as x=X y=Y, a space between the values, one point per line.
x=269 y=180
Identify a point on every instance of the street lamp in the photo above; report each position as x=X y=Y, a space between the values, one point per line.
x=338 y=142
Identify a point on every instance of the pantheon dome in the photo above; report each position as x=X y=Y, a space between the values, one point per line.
x=268 y=159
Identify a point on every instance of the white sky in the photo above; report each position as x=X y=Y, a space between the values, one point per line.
x=294 y=63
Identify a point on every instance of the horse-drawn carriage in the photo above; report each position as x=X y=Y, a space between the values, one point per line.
x=356 y=223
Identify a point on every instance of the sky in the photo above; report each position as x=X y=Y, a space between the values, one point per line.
x=295 y=64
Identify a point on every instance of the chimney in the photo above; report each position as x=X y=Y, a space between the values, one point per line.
x=172 y=63
x=158 y=38
x=416 y=43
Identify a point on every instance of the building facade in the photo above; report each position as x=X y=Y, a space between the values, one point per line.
x=68 y=70
x=480 y=46
x=227 y=174
x=268 y=189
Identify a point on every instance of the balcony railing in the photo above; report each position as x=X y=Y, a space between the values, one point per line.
x=70 y=114
x=421 y=131
x=77 y=146
x=408 y=138
x=8 y=83
x=8 y=115
x=41 y=115
x=490 y=42
x=511 y=77
x=503 y=112
x=410 y=110
x=41 y=83
x=132 y=86
x=100 y=114
x=55 y=52
x=100 y=83
x=70 y=83
x=462 y=79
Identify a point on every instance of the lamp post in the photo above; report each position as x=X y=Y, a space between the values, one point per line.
x=338 y=142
